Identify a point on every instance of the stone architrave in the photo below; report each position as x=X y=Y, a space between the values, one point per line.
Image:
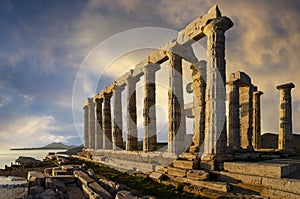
x=117 y=128
x=256 y=120
x=131 y=119
x=285 y=117
x=234 y=137
x=215 y=141
x=177 y=123
x=91 y=124
x=150 y=138
x=198 y=87
x=107 y=131
x=86 y=124
x=99 y=124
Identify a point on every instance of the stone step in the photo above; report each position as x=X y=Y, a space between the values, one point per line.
x=188 y=156
x=271 y=168
x=186 y=164
x=282 y=184
x=177 y=171
x=75 y=192
x=197 y=175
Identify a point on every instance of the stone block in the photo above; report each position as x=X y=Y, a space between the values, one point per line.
x=89 y=193
x=69 y=168
x=52 y=183
x=197 y=175
x=111 y=186
x=48 y=171
x=36 y=178
x=208 y=165
x=100 y=190
x=289 y=185
x=216 y=186
x=75 y=192
x=186 y=164
x=59 y=172
x=83 y=177
x=177 y=172
x=125 y=195
x=47 y=194
x=156 y=176
x=64 y=178
x=36 y=189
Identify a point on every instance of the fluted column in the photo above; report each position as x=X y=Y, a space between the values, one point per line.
x=107 y=137
x=91 y=124
x=199 y=87
x=285 y=117
x=86 y=126
x=234 y=136
x=215 y=141
x=131 y=119
x=150 y=138
x=98 y=124
x=117 y=130
x=256 y=120
x=177 y=123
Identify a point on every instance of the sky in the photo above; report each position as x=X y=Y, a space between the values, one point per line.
x=50 y=48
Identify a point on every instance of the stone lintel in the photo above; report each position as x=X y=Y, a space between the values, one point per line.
x=243 y=77
x=285 y=86
x=174 y=47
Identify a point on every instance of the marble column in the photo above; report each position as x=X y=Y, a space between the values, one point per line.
x=91 y=124
x=285 y=133
x=256 y=120
x=131 y=117
x=150 y=138
x=177 y=123
x=234 y=137
x=86 y=126
x=107 y=132
x=117 y=129
x=98 y=124
x=199 y=87
x=215 y=141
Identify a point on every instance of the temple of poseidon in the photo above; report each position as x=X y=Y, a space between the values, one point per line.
x=224 y=150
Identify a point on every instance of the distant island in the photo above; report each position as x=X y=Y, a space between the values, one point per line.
x=52 y=146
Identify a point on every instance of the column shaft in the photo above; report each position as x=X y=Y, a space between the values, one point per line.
x=256 y=120
x=131 y=120
x=99 y=125
x=199 y=87
x=91 y=124
x=150 y=138
x=234 y=136
x=107 y=137
x=117 y=131
x=215 y=142
x=177 y=123
x=86 y=127
x=285 y=132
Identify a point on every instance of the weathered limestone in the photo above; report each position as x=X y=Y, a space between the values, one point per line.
x=131 y=136
x=285 y=132
x=91 y=120
x=215 y=122
x=198 y=87
x=234 y=137
x=86 y=124
x=246 y=94
x=177 y=124
x=99 y=124
x=150 y=138
x=256 y=120
x=107 y=133
x=117 y=131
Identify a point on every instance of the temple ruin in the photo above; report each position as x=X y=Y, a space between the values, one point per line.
x=221 y=136
x=208 y=109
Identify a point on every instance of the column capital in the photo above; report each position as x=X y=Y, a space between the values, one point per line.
x=287 y=86
x=232 y=82
x=151 y=67
x=118 y=88
x=107 y=96
x=131 y=80
x=220 y=23
x=98 y=100
x=257 y=93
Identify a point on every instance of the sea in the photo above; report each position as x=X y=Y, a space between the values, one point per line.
x=8 y=156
